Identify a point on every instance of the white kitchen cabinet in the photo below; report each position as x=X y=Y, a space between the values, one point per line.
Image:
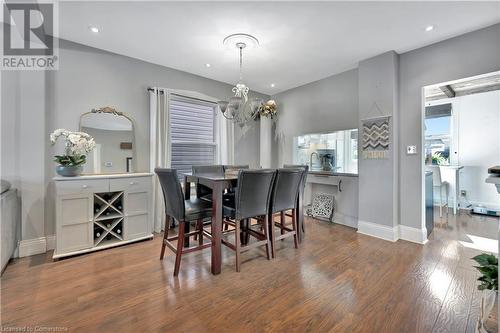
x=95 y=212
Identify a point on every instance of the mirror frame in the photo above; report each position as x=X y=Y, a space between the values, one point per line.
x=114 y=111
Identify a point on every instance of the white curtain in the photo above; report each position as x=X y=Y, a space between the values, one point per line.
x=160 y=143
x=159 y=148
x=224 y=137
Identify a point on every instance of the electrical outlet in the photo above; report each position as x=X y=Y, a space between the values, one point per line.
x=463 y=193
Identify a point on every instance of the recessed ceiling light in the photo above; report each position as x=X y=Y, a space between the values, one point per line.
x=429 y=28
x=272 y=85
x=94 y=29
x=207 y=65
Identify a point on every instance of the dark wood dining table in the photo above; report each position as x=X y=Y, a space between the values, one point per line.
x=218 y=183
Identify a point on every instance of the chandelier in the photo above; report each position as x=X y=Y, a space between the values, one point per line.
x=239 y=109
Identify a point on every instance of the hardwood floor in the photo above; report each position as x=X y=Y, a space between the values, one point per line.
x=337 y=281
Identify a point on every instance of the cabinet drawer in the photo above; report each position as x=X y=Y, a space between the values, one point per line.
x=133 y=184
x=82 y=186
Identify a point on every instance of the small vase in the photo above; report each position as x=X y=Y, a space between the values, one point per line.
x=69 y=171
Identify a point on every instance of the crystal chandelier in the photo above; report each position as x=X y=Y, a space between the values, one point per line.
x=239 y=109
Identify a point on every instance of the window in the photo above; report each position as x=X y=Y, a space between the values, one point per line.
x=438 y=134
x=192 y=133
x=334 y=151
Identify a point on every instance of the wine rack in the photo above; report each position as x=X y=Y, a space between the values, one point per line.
x=108 y=217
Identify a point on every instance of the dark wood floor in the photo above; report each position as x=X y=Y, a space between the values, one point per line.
x=337 y=281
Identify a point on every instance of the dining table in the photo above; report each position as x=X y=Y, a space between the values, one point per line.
x=218 y=183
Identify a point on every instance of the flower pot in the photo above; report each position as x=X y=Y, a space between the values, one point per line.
x=69 y=171
x=488 y=314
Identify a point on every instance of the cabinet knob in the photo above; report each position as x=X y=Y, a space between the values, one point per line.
x=85 y=186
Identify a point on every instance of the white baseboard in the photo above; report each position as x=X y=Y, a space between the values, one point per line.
x=29 y=247
x=51 y=242
x=378 y=230
x=413 y=234
x=393 y=233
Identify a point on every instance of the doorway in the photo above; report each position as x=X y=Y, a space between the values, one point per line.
x=461 y=141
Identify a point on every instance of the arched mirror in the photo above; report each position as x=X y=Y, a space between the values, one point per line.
x=113 y=132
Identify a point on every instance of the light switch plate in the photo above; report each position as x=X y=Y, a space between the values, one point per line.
x=411 y=150
x=108 y=164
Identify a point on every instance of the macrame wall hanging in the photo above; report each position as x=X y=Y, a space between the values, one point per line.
x=376 y=135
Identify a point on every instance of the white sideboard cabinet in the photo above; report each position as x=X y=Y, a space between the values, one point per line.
x=95 y=212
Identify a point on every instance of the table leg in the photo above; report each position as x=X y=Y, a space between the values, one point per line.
x=217 y=190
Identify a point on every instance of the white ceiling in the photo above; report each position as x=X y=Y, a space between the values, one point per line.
x=299 y=42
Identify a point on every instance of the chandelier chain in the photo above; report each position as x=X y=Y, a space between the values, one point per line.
x=241 y=64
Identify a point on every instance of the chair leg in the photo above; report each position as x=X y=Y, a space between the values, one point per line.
x=200 y=230
x=165 y=236
x=271 y=235
x=237 y=244
x=294 y=228
x=180 y=245
x=282 y=223
x=441 y=201
x=265 y=228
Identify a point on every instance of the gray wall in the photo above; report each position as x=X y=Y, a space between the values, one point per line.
x=378 y=96
x=39 y=102
x=326 y=105
x=471 y=54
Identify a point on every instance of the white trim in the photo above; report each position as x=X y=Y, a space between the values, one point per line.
x=51 y=242
x=414 y=235
x=378 y=230
x=29 y=247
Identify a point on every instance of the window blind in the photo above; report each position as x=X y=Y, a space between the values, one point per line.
x=191 y=133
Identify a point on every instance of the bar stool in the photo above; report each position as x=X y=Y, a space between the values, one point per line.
x=185 y=212
x=284 y=197
x=304 y=168
x=251 y=200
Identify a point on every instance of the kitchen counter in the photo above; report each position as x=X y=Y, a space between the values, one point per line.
x=331 y=173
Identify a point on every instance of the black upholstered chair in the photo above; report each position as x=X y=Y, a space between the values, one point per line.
x=203 y=192
x=284 y=197
x=251 y=200
x=184 y=211
x=305 y=168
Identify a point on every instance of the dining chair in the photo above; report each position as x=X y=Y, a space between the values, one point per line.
x=251 y=200
x=305 y=168
x=284 y=196
x=183 y=211
x=437 y=182
x=203 y=192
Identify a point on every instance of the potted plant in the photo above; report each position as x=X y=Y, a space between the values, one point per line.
x=76 y=146
x=439 y=159
x=488 y=316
